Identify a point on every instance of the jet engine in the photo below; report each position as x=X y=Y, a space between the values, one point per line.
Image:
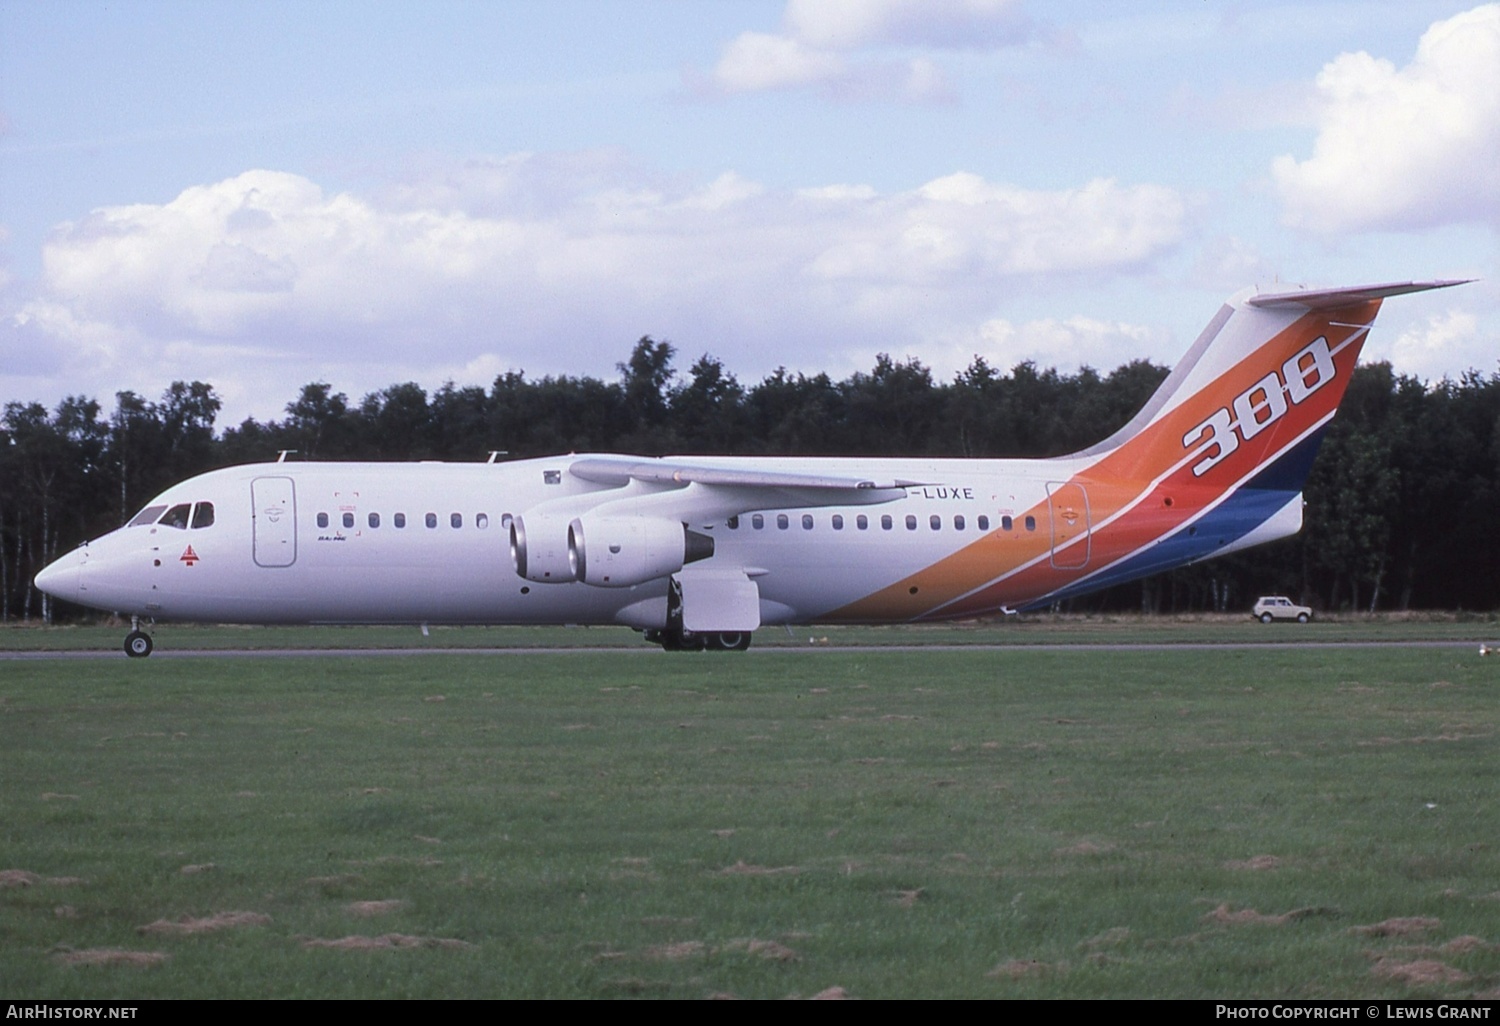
x=617 y=552
x=539 y=548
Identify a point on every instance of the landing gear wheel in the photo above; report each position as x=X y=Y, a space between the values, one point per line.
x=1266 y=618
x=138 y=644
x=674 y=640
x=729 y=641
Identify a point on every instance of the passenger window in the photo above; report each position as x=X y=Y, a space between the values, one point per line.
x=374 y=520
x=432 y=520
x=505 y=521
x=1031 y=523
x=984 y=523
x=935 y=522
x=807 y=521
x=838 y=521
x=399 y=520
x=958 y=522
x=782 y=523
x=482 y=520
x=455 y=520
x=176 y=517
x=911 y=522
x=733 y=522
x=862 y=522
x=348 y=519
x=885 y=522
x=757 y=521
x=322 y=519
x=146 y=516
x=203 y=515
x=1006 y=523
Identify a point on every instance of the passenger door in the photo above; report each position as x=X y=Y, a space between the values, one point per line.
x=1068 y=511
x=273 y=513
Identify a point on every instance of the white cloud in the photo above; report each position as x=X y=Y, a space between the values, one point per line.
x=827 y=44
x=1430 y=349
x=1412 y=147
x=962 y=224
x=1227 y=264
x=839 y=192
x=547 y=263
x=756 y=61
x=946 y=24
x=1067 y=344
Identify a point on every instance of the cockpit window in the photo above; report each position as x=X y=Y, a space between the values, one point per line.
x=177 y=516
x=203 y=515
x=146 y=516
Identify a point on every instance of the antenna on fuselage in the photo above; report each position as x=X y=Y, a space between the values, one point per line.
x=496 y=454
x=282 y=454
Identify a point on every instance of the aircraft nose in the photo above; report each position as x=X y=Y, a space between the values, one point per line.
x=60 y=578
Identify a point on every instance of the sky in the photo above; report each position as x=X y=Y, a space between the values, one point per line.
x=365 y=193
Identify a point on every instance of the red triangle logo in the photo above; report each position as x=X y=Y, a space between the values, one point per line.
x=189 y=557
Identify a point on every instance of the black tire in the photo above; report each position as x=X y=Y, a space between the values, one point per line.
x=1266 y=618
x=729 y=641
x=1303 y=618
x=683 y=641
x=737 y=641
x=138 y=644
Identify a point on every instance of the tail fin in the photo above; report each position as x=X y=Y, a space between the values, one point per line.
x=1255 y=391
x=1216 y=460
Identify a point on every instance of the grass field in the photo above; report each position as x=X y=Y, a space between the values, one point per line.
x=1237 y=823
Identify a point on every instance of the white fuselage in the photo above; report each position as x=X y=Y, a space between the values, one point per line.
x=430 y=543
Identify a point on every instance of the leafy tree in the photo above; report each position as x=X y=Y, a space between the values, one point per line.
x=395 y=424
x=797 y=415
x=319 y=424
x=646 y=378
x=708 y=412
x=897 y=408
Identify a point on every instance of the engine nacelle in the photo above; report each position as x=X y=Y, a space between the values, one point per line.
x=617 y=552
x=539 y=548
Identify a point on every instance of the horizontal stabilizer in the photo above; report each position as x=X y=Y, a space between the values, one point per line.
x=1321 y=299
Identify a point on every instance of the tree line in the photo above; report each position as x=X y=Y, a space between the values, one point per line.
x=1401 y=504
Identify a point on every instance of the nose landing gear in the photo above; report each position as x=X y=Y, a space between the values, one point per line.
x=138 y=643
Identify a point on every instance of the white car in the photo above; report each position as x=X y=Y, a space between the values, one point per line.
x=1279 y=607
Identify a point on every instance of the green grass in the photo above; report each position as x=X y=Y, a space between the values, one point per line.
x=898 y=824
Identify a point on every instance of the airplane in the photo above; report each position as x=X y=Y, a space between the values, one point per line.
x=698 y=552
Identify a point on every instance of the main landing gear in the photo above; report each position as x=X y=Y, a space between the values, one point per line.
x=677 y=640
x=138 y=643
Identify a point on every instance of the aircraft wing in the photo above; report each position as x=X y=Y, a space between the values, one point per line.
x=698 y=493
x=599 y=470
